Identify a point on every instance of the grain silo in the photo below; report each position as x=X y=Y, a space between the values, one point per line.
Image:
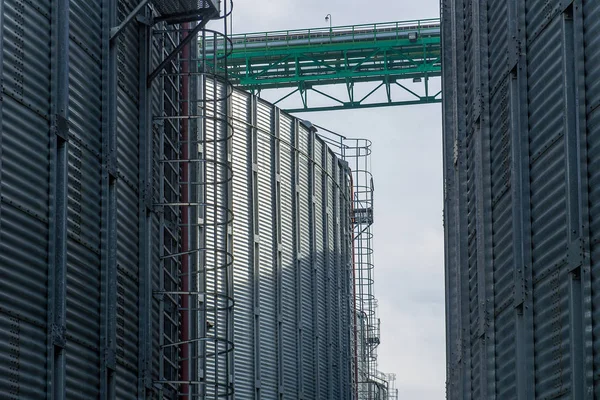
x=162 y=235
x=521 y=100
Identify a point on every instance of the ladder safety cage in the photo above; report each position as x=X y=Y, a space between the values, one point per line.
x=192 y=133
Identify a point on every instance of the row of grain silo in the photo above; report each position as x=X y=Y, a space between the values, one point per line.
x=162 y=235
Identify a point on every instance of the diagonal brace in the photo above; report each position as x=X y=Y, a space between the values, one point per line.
x=191 y=35
x=114 y=32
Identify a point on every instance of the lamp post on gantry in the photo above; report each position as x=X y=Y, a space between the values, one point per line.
x=328 y=18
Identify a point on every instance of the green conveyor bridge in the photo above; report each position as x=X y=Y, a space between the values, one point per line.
x=344 y=67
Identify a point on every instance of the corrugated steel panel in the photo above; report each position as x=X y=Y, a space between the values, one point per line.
x=289 y=295
x=84 y=213
x=214 y=150
x=548 y=213
x=309 y=363
x=127 y=195
x=474 y=332
x=157 y=107
x=503 y=284
x=321 y=274
x=333 y=277
x=542 y=101
x=268 y=280
x=26 y=162
x=591 y=12
x=320 y=286
x=24 y=197
x=127 y=324
x=26 y=45
x=243 y=276
x=498 y=32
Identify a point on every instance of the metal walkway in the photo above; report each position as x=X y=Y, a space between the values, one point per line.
x=373 y=65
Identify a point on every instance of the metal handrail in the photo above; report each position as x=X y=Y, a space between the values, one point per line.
x=352 y=33
x=405 y=25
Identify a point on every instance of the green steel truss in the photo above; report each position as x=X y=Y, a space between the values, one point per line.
x=394 y=62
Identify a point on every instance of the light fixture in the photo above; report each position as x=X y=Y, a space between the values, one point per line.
x=412 y=36
x=417 y=80
x=328 y=18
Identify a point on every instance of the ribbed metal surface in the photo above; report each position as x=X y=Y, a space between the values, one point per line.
x=242 y=274
x=268 y=282
x=497 y=14
x=319 y=285
x=592 y=69
x=127 y=203
x=27 y=162
x=474 y=332
x=539 y=335
x=102 y=342
x=84 y=200
x=503 y=259
x=289 y=294
x=24 y=197
x=309 y=363
x=548 y=213
x=322 y=289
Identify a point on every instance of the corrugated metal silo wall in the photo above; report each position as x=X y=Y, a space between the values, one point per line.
x=69 y=200
x=78 y=179
x=291 y=269
x=521 y=198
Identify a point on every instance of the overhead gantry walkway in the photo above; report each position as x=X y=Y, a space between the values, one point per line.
x=372 y=65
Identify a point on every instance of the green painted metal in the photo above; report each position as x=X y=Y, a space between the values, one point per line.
x=388 y=63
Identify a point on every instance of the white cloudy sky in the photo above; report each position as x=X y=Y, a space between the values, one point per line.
x=407 y=168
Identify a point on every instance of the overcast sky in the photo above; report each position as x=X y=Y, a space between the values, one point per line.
x=407 y=169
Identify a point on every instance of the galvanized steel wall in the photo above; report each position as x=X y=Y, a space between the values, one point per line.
x=521 y=112
x=70 y=176
x=292 y=268
x=79 y=178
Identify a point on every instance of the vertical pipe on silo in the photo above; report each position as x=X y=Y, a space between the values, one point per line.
x=521 y=208
x=255 y=243
x=521 y=241
x=297 y=255
x=56 y=379
x=145 y=206
x=329 y=287
x=277 y=234
x=185 y=188
x=313 y=259
x=483 y=185
x=576 y=183
x=109 y=207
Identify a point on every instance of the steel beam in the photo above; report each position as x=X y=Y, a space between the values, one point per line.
x=145 y=215
x=59 y=176
x=297 y=257
x=116 y=31
x=255 y=241
x=2 y=103
x=108 y=308
x=348 y=106
x=182 y=44
x=521 y=207
x=578 y=260
x=312 y=223
x=278 y=245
